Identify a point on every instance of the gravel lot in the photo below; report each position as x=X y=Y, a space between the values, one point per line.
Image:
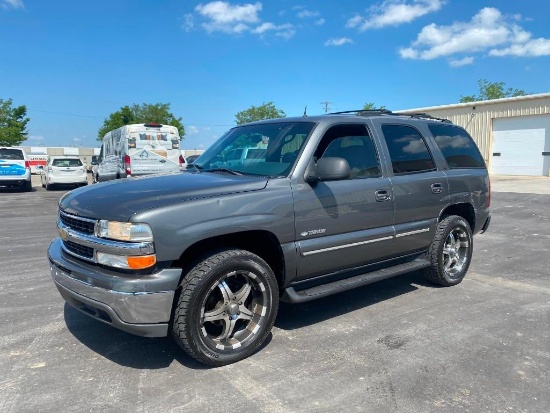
x=402 y=345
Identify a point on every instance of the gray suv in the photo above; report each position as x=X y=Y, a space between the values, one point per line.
x=333 y=203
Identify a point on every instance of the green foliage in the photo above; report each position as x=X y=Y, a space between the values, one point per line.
x=145 y=113
x=372 y=106
x=492 y=90
x=12 y=123
x=254 y=113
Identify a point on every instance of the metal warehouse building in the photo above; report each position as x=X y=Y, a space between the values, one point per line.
x=513 y=134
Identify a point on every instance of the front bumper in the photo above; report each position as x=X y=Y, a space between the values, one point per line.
x=137 y=304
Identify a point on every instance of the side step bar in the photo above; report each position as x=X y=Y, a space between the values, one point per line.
x=290 y=295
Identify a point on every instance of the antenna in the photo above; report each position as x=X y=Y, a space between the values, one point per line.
x=305 y=112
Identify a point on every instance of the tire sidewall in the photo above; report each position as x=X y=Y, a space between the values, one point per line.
x=452 y=223
x=201 y=347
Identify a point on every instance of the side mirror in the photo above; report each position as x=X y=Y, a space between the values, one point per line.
x=329 y=169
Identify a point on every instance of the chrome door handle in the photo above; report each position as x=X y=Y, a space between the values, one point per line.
x=382 y=195
x=437 y=188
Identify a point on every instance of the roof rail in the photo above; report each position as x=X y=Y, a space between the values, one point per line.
x=369 y=112
x=364 y=112
x=423 y=116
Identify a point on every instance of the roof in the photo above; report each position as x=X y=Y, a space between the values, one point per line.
x=480 y=103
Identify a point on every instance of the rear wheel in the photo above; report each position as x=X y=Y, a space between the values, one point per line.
x=28 y=186
x=450 y=252
x=227 y=307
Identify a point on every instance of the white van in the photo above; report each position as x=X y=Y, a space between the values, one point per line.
x=139 y=149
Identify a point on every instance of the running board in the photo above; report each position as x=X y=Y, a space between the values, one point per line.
x=290 y=295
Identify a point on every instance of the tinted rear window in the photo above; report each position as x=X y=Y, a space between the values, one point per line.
x=458 y=148
x=12 y=154
x=66 y=162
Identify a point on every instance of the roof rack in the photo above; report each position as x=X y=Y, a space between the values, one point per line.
x=363 y=112
x=369 y=112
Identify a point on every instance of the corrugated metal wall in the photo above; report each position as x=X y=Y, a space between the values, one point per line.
x=479 y=121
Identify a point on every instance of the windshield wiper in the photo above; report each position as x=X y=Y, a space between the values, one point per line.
x=229 y=171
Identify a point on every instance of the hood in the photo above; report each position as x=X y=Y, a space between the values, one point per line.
x=119 y=200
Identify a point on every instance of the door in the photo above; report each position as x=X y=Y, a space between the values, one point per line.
x=346 y=223
x=420 y=190
x=521 y=146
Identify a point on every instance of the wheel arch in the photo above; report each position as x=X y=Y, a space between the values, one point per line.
x=464 y=210
x=262 y=243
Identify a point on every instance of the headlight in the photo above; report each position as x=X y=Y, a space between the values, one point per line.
x=123 y=231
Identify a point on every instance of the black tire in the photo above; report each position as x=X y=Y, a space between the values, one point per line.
x=450 y=253
x=28 y=186
x=237 y=291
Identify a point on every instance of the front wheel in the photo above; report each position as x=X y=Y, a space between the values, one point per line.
x=226 y=308
x=450 y=252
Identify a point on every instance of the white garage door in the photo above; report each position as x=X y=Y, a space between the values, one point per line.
x=521 y=145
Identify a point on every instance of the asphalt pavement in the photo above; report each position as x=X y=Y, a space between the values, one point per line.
x=401 y=345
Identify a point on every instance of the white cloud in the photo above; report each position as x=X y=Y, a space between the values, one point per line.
x=461 y=62
x=36 y=138
x=191 y=130
x=222 y=12
x=12 y=4
x=533 y=48
x=228 y=18
x=488 y=30
x=319 y=22
x=394 y=13
x=77 y=140
x=188 y=22
x=338 y=42
x=305 y=13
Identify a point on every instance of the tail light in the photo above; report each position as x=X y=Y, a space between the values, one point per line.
x=181 y=161
x=27 y=165
x=127 y=165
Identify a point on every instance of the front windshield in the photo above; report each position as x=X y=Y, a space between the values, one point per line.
x=267 y=149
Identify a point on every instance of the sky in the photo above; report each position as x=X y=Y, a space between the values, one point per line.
x=73 y=63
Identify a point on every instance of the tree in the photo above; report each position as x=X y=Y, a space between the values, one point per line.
x=254 y=113
x=145 y=113
x=372 y=106
x=492 y=90
x=12 y=123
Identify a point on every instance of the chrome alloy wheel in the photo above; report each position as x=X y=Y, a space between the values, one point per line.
x=456 y=251
x=233 y=310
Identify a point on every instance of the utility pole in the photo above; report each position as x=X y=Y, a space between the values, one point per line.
x=326 y=103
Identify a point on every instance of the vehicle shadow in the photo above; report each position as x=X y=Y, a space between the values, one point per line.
x=156 y=353
x=295 y=316
x=14 y=190
x=124 y=348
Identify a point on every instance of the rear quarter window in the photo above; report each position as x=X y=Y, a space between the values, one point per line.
x=458 y=148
